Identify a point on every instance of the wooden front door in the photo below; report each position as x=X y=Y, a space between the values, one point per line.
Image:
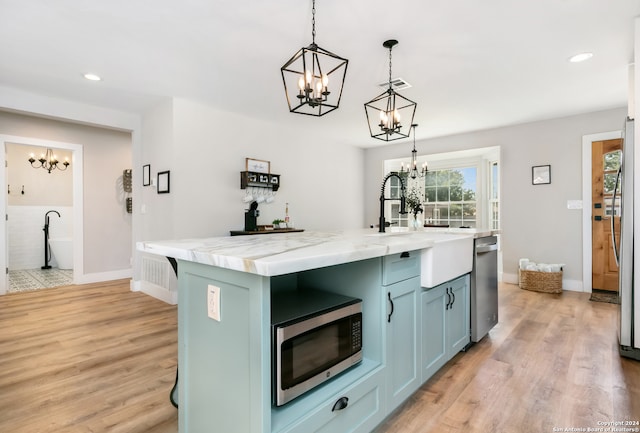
x=605 y=161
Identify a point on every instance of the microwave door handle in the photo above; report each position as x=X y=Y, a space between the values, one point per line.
x=616 y=253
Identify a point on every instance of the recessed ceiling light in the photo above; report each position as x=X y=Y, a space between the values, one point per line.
x=92 y=77
x=580 y=57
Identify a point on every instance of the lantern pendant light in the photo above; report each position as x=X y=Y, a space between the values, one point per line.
x=314 y=78
x=412 y=170
x=387 y=111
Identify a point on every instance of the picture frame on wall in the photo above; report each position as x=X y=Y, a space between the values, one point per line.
x=258 y=165
x=541 y=174
x=163 y=182
x=146 y=175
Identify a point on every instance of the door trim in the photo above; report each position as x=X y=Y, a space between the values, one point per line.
x=587 y=141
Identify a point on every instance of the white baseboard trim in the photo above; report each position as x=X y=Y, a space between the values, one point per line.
x=569 y=285
x=103 y=276
x=158 y=292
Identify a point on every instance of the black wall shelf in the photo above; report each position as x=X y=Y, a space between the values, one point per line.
x=259 y=180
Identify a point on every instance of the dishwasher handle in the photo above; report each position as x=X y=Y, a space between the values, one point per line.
x=486 y=248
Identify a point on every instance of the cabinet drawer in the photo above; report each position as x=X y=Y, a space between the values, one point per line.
x=363 y=412
x=399 y=267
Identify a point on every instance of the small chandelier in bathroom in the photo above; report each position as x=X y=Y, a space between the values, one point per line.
x=48 y=161
x=314 y=77
x=386 y=111
x=412 y=170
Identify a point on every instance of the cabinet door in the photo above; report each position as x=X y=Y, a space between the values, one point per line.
x=403 y=373
x=458 y=330
x=434 y=345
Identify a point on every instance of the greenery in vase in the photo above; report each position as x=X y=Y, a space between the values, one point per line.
x=414 y=202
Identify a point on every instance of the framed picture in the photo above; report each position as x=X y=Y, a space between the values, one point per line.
x=541 y=174
x=258 y=165
x=163 y=182
x=146 y=175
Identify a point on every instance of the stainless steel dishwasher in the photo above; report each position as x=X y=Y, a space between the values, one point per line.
x=484 y=287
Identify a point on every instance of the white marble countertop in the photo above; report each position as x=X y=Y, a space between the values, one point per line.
x=477 y=233
x=283 y=253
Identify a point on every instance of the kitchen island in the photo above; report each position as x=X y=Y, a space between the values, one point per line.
x=225 y=365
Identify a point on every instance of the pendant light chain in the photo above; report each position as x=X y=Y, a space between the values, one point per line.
x=390 y=48
x=313 y=22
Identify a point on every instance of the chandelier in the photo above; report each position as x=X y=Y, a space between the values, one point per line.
x=412 y=170
x=314 y=78
x=48 y=161
x=386 y=111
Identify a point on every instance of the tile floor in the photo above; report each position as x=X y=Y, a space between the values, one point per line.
x=33 y=279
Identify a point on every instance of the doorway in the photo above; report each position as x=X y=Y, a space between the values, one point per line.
x=77 y=208
x=606 y=157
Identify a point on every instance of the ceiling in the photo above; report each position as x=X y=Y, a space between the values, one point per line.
x=472 y=64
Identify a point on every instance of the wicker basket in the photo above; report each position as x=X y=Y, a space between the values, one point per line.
x=547 y=282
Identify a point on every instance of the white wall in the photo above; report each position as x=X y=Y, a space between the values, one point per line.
x=536 y=223
x=320 y=179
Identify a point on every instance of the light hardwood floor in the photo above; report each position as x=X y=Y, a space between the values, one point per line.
x=100 y=358
x=92 y=358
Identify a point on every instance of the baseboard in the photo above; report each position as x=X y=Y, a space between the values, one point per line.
x=569 y=285
x=158 y=292
x=103 y=276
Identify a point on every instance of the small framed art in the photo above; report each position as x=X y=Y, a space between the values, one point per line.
x=146 y=175
x=541 y=174
x=163 y=182
x=258 y=165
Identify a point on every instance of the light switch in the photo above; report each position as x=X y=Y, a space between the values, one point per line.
x=574 y=204
x=213 y=302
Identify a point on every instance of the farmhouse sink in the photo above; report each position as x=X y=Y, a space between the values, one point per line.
x=450 y=257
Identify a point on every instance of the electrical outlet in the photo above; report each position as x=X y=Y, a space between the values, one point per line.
x=213 y=302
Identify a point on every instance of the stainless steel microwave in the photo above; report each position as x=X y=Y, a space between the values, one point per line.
x=315 y=336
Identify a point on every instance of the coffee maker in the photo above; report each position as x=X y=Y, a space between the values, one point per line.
x=251 y=217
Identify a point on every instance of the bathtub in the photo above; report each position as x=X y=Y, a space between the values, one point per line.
x=62 y=252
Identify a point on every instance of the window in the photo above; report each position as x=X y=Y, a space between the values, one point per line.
x=494 y=196
x=450 y=197
x=461 y=188
x=611 y=163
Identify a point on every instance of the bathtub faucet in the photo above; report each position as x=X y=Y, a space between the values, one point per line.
x=47 y=251
x=46 y=217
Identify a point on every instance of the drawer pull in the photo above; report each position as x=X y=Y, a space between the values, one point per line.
x=405 y=255
x=340 y=404
x=392 y=308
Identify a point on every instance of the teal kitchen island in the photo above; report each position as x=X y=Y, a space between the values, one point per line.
x=225 y=361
